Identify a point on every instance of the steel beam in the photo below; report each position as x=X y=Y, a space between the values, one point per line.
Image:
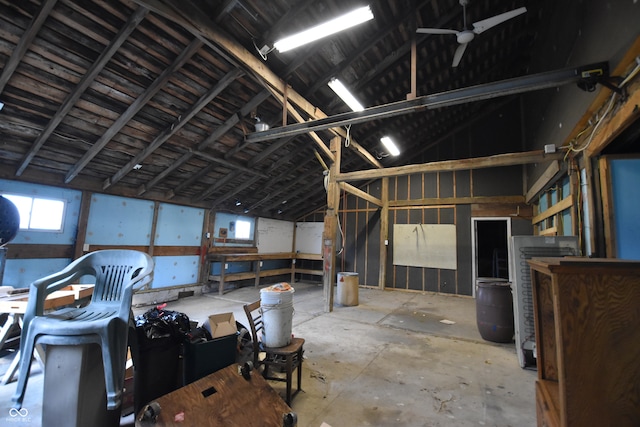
x=587 y=75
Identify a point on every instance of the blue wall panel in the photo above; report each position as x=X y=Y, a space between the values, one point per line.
x=179 y=226
x=19 y=273
x=625 y=180
x=119 y=221
x=72 y=210
x=175 y=271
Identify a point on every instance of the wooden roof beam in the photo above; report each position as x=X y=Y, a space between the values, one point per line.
x=85 y=82
x=191 y=18
x=498 y=160
x=133 y=109
x=25 y=41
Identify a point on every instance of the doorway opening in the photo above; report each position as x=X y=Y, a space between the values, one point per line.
x=490 y=244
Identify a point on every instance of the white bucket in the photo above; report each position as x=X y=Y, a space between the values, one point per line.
x=347 y=294
x=276 y=303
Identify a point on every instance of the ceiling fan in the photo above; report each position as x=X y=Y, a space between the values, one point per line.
x=465 y=36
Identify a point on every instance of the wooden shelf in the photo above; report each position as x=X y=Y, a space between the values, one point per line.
x=588 y=341
x=257 y=273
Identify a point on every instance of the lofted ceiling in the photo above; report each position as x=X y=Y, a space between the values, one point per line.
x=158 y=99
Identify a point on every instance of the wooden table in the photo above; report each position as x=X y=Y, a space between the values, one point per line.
x=223 y=398
x=16 y=305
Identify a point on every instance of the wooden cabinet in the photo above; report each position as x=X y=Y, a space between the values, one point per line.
x=587 y=320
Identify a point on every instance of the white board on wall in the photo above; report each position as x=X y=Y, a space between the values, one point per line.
x=273 y=235
x=425 y=245
x=309 y=237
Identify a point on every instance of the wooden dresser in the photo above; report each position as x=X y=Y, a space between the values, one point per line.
x=587 y=324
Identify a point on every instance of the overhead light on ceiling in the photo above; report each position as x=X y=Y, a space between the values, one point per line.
x=1 y=105
x=348 y=20
x=137 y=166
x=260 y=125
x=390 y=145
x=238 y=202
x=344 y=94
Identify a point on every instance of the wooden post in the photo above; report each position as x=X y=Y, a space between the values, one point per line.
x=331 y=227
x=384 y=232
x=83 y=220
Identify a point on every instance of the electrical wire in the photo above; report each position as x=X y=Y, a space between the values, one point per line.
x=572 y=144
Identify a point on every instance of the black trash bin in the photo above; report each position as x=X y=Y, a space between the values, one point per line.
x=155 y=350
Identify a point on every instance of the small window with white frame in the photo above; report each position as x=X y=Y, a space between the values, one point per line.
x=38 y=214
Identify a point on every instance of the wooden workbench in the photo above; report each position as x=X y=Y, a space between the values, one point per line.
x=16 y=305
x=257 y=272
x=223 y=398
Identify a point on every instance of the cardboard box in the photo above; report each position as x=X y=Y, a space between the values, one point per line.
x=222 y=324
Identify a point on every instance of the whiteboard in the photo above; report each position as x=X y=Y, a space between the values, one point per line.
x=274 y=235
x=309 y=237
x=425 y=245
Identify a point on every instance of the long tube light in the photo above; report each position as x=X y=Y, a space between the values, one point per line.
x=348 y=20
x=344 y=94
x=390 y=145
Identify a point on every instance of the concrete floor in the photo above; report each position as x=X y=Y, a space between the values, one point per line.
x=387 y=362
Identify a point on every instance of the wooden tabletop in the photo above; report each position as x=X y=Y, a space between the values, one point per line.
x=66 y=296
x=223 y=398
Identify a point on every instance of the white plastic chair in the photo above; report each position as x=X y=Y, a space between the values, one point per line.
x=103 y=321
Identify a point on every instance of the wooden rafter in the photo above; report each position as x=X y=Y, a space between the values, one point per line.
x=133 y=109
x=71 y=100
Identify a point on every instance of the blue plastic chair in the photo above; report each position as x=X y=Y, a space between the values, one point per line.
x=104 y=321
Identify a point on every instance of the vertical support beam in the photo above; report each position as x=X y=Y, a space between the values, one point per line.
x=414 y=62
x=294 y=251
x=384 y=232
x=285 y=100
x=205 y=243
x=607 y=208
x=83 y=220
x=331 y=227
x=154 y=227
x=589 y=222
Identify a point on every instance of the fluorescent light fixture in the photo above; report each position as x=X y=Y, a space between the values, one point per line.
x=348 y=20
x=1 y=105
x=344 y=94
x=390 y=146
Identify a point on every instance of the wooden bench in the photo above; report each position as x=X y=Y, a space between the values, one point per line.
x=257 y=273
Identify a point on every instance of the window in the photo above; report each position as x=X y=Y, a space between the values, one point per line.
x=243 y=229
x=38 y=214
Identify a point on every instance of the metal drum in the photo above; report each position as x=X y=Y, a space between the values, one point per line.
x=494 y=310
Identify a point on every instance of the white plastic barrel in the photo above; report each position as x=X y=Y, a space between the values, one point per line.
x=347 y=288
x=276 y=303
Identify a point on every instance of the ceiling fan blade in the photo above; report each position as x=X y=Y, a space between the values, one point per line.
x=485 y=24
x=436 y=31
x=458 y=55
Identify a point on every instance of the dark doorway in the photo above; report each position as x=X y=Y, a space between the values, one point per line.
x=491 y=248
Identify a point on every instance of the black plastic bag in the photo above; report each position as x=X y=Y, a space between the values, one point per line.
x=160 y=323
